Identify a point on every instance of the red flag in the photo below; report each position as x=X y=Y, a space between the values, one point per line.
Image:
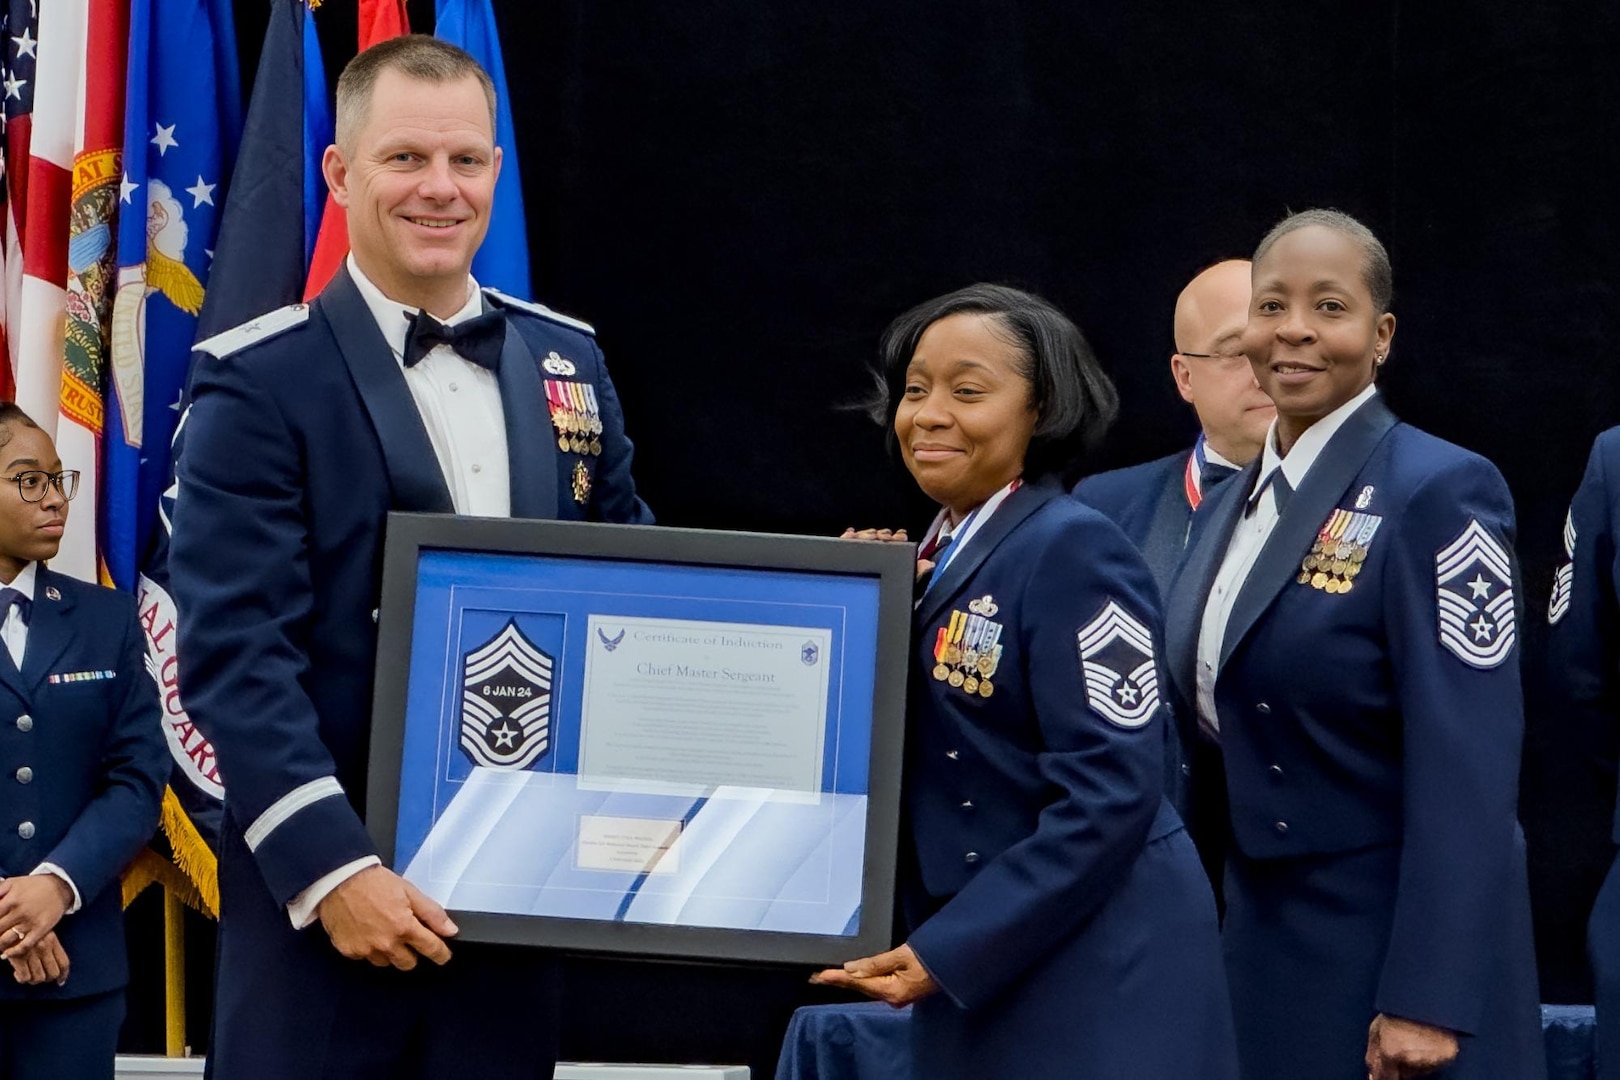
x=379 y=21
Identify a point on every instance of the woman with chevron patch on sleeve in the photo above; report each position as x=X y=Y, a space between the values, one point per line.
x=1344 y=626
x=1056 y=909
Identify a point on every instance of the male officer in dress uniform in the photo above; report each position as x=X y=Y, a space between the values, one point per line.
x=82 y=765
x=403 y=387
x=1153 y=503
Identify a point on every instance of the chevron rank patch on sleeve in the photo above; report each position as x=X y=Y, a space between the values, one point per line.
x=1116 y=658
x=1564 y=576
x=1474 y=589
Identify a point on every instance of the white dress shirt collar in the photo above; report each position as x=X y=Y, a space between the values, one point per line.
x=1214 y=457
x=1308 y=447
x=393 y=317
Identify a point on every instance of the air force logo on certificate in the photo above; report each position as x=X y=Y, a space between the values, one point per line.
x=506 y=689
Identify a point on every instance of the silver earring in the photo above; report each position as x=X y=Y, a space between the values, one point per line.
x=1378 y=361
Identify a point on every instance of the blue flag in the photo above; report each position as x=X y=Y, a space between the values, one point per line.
x=182 y=120
x=503 y=261
x=182 y=125
x=262 y=251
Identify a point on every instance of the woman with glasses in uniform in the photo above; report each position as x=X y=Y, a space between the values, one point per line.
x=83 y=765
x=1344 y=625
x=1060 y=924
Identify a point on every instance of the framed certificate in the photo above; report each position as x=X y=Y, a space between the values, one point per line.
x=629 y=739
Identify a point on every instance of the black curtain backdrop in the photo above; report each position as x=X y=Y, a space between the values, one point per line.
x=740 y=196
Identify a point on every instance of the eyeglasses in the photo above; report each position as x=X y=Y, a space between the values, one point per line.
x=32 y=484
x=1219 y=358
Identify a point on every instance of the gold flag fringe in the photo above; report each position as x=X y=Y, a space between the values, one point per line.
x=193 y=877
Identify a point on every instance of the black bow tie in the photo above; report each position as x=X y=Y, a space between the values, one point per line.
x=478 y=340
x=1211 y=474
x=1281 y=488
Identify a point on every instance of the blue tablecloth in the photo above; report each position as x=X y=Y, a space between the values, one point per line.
x=870 y=1041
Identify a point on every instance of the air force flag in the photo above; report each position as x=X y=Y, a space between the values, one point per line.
x=1474 y=585
x=506 y=702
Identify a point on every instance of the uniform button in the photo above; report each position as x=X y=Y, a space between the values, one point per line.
x=953 y=754
x=373 y=614
x=1276 y=771
x=1282 y=828
x=25 y=775
x=1186 y=770
x=971 y=857
x=967 y=804
x=478 y=468
x=26 y=830
x=454 y=388
x=25 y=723
x=1263 y=709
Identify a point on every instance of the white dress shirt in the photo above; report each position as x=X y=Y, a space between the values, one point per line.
x=1249 y=539
x=14 y=632
x=460 y=405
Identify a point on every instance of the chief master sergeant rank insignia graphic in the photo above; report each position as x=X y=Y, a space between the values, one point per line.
x=506 y=701
x=1116 y=655
x=1564 y=579
x=1474 y=584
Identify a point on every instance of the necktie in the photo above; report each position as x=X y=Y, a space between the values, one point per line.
x=9 y=597
x=478 y=340
x=1210 y=475
x=1279 y=484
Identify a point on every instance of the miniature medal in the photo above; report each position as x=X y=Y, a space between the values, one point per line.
x=582 y=483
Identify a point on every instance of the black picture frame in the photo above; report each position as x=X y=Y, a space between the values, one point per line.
x=891 y=565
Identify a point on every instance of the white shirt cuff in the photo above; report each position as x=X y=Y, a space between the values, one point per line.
x=301 y=908
x=57 y=871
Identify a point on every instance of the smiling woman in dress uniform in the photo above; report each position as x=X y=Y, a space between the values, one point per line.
x=1345 y=624
x=1060 y=923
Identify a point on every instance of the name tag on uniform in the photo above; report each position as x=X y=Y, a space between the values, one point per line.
x=81 y=676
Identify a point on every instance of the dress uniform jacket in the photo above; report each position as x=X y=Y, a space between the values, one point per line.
x=1583 y=651
x=1371 y=739
x=1054 y=897
x=1149 y=504
x=302 y=436
x=82 y=768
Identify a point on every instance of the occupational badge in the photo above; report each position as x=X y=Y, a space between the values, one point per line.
x=1340 y=549
x=1116 y=658
x=1474 y=586
x=967 y=649
x=557 y=365
x=1564 y=576
x=809 y=653
x=506 y=687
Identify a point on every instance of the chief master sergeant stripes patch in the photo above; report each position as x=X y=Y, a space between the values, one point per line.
x=1474 y=587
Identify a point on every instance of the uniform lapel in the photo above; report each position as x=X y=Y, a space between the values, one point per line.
x=414 y=475
x=1337 y=465
x=1166 y=538
x=50 y=631
x=1019 y=505
x=1184 y=607
x=529 y=447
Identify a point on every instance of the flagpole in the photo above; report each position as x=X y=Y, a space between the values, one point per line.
x=174 y=974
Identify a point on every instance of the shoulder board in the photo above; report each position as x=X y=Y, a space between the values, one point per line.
x=265 y=327
x=539 y=309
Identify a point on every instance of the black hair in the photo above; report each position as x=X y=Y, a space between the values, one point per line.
x=11 y=413
x=1074 y=400
x=1376 y=272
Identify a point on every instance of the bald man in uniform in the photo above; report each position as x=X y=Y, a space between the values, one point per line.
x=1153 y=503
